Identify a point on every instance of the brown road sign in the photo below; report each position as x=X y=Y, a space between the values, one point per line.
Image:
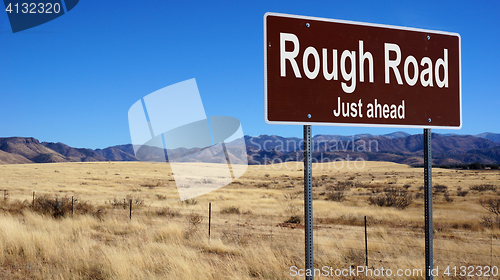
x=331 y=72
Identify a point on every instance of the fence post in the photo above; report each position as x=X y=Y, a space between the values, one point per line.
x=4 y=194
x=209 y=218
x=72 y=204
x=366 y=245
x=33 y=204
x=131 y=209
x=317 y=244
x=271 y=231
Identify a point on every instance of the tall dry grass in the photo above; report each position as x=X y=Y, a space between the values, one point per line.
x=39 y=247
x=165 y=239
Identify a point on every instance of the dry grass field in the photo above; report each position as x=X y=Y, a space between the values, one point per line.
x=256 y=230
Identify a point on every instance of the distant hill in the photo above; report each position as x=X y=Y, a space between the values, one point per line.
x=490 y=153
x=395 y=135
x=117 y=153
x=495 y=137
x=440 y=144
x=73 y=154
x=31 y=149
x=400 y=147
x=8 y=158
x=446 y=150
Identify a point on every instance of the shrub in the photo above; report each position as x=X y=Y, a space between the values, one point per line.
x=194 y=220
x=264 y=185
x=51 y=206
x=350 y=220
x=475 y=166
x=440 y=188
x=14 y=206
x=137 y=201
x=342 y=186
x=338 y=196
x=295 y=219
x=116 y=203
x=190 y=201
x=167 y=212
x=60 y=207
x=82 y=207
x=230 y=210
x=462 y=193
x=492 y=205
x=483 y=187
x=447 y=197
x=99 y=214
x=354 y=257
x=392 y=197
x=490 y=222
x=345 y=185
x=125 y=203
x=161 y=196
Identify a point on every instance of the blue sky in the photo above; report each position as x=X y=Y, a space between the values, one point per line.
x=73 y=79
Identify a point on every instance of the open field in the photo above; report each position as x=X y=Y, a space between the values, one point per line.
x=254 y=233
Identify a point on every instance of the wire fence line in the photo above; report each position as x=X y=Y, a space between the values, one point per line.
x=273 y=228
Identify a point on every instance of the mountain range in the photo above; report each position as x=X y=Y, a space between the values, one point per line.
x=400 y=147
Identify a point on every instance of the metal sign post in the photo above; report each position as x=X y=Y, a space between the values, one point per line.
x=428 y=203
x=308 y=207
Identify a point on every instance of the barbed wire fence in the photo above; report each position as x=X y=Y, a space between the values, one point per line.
x=372 y=243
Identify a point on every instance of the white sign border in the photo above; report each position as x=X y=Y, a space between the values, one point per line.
x=363 y=24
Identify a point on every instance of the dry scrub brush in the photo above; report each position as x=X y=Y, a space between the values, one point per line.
x=56 y=207
x=338 y=192
x=392 y=197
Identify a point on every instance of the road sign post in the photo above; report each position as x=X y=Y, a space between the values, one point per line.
x=308 y=200
x=428 y=203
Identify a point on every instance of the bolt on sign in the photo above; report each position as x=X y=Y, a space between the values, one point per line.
x=332 y=72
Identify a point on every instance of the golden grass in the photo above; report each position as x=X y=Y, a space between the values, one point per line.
x=162 y=241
